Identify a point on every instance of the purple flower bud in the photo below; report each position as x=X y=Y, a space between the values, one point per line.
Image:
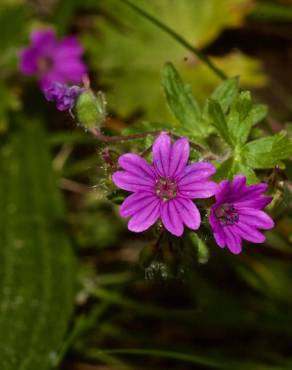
x=64 y=96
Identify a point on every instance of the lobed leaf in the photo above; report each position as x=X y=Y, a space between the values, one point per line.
x=217 y=118
x=181 y=100
x=268 y=151
x=240 y=118
x=226 y=93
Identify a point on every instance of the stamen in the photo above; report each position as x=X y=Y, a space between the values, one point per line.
x=165 y=189
x=227 y=214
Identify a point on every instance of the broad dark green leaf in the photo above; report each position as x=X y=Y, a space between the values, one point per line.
x=181 y=100
x=37 y=263
x=226 y=92
x=269 y=151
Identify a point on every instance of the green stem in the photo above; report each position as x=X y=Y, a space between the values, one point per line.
x=178 y=38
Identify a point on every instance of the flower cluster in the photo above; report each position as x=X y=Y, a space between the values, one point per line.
x=164 y=191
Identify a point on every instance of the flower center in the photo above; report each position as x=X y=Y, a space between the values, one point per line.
x=226 y=214
x=165 y=189
x=45 y=64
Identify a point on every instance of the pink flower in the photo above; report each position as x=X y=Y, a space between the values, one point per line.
x=163 y=190
x=53 y=60
x=237 y=213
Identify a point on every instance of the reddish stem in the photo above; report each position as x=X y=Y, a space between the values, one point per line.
x=120 y=138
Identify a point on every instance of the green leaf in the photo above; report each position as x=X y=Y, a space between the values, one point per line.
x=240 y=118
x=240 y=167
x=218 y=120
x=226 y=93
x=231 y=167
x=180 y=99
x=269 y=151
x=258 y=113
x=224 y=170
x=37 y=264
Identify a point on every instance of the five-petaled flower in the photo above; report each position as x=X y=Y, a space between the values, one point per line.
x=237 y=213
x=165 y=189
x=53 y=60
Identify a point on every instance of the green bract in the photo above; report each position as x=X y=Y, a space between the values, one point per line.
x=91 y=109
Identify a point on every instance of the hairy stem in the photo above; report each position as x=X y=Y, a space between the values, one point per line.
x=120 y=138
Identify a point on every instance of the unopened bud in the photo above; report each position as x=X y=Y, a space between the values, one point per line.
x=91 y=109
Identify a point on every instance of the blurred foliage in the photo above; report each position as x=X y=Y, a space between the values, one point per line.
x=38 y=267
x=129 y=48
x=13 y=19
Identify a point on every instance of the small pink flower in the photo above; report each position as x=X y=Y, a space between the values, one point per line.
x=53 y=60
x=163 y=190
x=237 y=213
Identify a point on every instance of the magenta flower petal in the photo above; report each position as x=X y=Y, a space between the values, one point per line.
x=69 y=48
x=47 y=80
x=28 y=61
x=71 y=70
x=237 y=213
x=136 y=202
x=256 y=218
x=161 y=154
x=135 y=164
x=130 y=182
x=222 y=191
x=43 y=38
x=200 y=189
x=145 y=218
x=238 y=183
x=233 y=241
x=196 y=172
x=249 y=233
x=220 y=238
x=249 y=192
x=257 y=203
x=179 y=156
x=171 y=218
x=189 y=212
